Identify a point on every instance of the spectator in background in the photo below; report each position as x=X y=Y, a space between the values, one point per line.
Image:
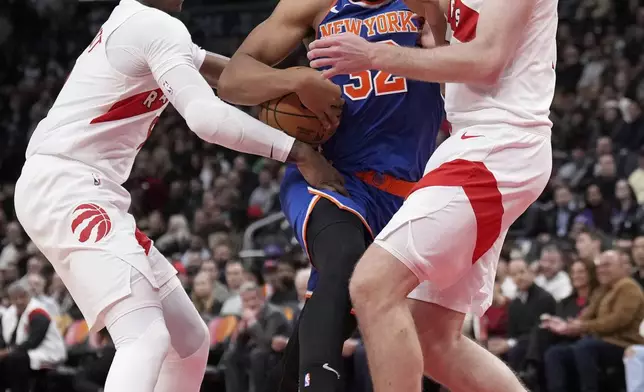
x=637 y=253
x=282 y=280
x=507 y=285
x=626 y=220
x=257 y=344
x=553 y=278
x=636 y=179
x=554 y=353
x=13 y=245
x=598 y=211
x=203 y=296
x=556 y=218
x=234 y=280
x=93 y=373
x=588 y=245
x=37 y=285
x=219 y=290
x=610 y=322
x=606 y=173
x=29 y=340
x=523 y=316
x=263 y=197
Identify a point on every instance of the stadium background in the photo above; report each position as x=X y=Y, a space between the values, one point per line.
x=201 y=202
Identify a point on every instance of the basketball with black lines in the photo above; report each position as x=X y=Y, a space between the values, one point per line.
x=291 y=116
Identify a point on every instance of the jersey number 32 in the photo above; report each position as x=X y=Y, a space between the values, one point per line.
x=378 y=82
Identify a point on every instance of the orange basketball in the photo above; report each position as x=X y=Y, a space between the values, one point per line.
x=288 y=114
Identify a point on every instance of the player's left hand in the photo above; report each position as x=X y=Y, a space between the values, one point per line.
x=344 y=53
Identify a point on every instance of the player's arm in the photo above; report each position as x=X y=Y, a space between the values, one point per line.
x=212 y=67
x=167 y=51
x=250 y=79
x=481 y=60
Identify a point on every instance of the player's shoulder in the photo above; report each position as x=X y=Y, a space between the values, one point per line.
x=156 y=21
x=308 y=11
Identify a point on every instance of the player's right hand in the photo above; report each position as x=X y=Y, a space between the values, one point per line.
x=319 y=95
x=315 y=169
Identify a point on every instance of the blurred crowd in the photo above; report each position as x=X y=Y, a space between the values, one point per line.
x=568 y=303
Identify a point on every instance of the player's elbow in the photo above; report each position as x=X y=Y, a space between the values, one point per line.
x=226 y=85
x=233 y=85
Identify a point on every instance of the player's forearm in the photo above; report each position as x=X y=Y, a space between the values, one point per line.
x=462 y=63
x=212 y=68
x=246 y=81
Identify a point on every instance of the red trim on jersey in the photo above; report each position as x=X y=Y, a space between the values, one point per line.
x=38 y=311
x=133 y=106
x=463 y=21
x=481 y=189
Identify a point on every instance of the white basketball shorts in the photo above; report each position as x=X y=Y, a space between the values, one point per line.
x=450 y=230
x=79 y=220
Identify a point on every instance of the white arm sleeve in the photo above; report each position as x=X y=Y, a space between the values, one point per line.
x=217 y=122
x=163 y=45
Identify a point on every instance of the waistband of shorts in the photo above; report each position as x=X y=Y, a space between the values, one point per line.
x=543 y=130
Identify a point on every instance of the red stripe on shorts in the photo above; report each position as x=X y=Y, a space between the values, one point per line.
x=481 y=189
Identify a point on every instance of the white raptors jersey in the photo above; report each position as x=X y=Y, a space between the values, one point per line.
x=524 y=93
x=102 y=115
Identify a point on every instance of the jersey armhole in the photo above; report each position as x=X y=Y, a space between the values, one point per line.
x=320 y=18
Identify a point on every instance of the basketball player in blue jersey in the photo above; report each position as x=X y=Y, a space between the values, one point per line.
x=387 y=132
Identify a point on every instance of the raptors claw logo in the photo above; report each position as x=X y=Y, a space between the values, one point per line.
x=87 y=218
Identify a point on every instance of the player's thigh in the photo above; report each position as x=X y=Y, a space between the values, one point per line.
x=131 y=317
x=433 y=234
x=335 y=238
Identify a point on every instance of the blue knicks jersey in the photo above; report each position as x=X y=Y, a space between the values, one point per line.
x=389 y=124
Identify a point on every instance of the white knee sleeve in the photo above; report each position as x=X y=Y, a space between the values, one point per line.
x=141 y=338
x=185 y=364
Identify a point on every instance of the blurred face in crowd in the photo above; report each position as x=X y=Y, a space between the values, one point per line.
x=234 y=275
x=222 y=253
x=265 y=178
x=604 y=146
x=210 y=267
x=587 y=247
x=594 y=195
x=571 y=55
x=610 y=268
x=239 y=164
x=252 y=300
x=202 y=285
x=34 y=265
x=301 y=283
x=550 y=263
x=36 y=283
x=622 y=190
x=10 y=273
x=638 y=252
x=563 y=196
x=156 y=222
x=56 y=284
x=14 y=233
x=579 y=276
x=521 y=274
x=607 y=166
x=20 y=300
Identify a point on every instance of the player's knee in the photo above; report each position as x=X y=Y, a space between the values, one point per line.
x=155 y=340
x=363 y=286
